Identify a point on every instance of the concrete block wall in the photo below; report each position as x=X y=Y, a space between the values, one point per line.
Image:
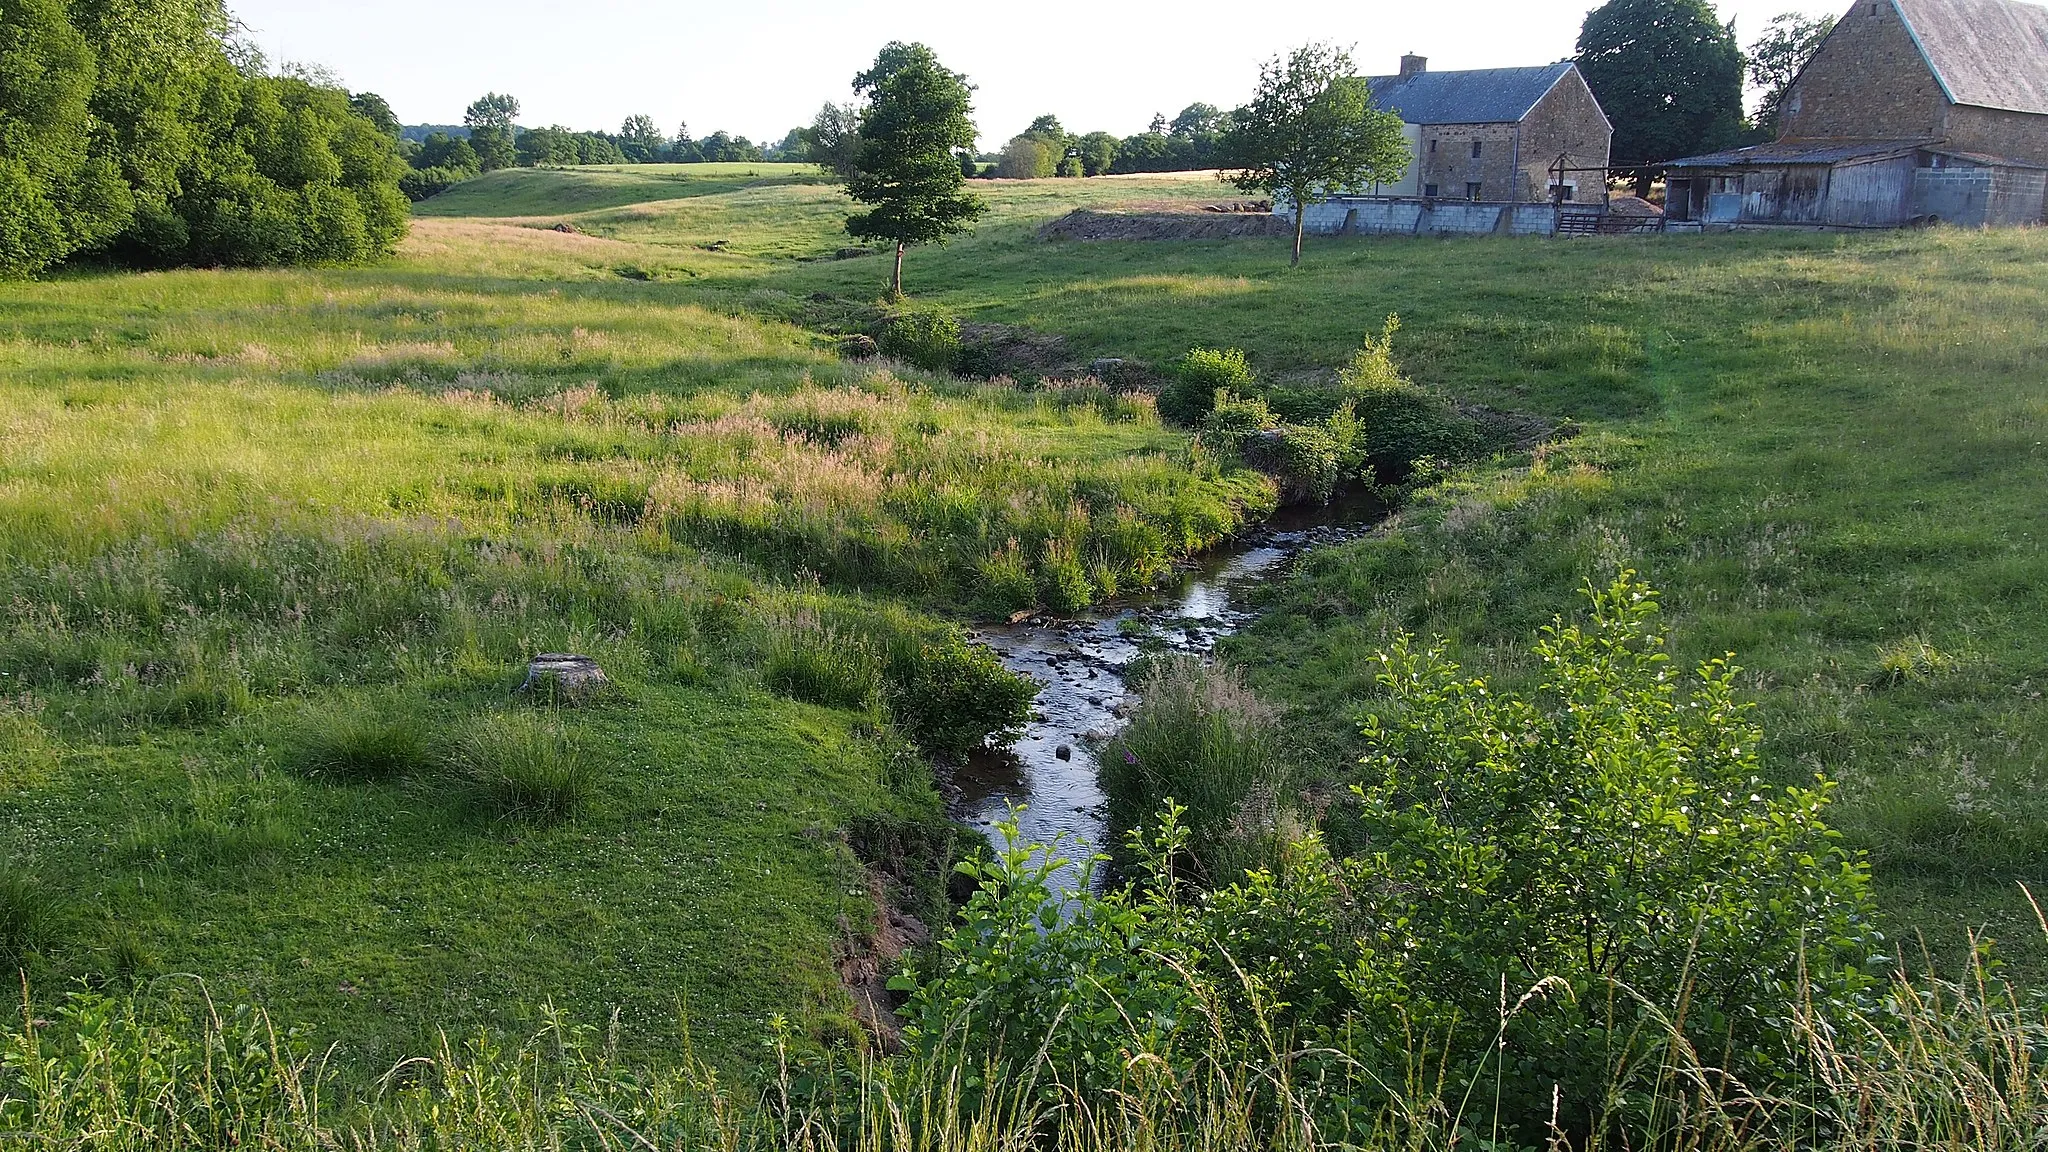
x=1363 y=217
x=1980 y=197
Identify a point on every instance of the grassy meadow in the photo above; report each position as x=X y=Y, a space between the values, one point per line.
x=276 y=546
x=235 y=506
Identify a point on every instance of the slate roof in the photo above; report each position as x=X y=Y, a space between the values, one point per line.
x=1478 y=96
x=1801 y=152
x=1986 y=53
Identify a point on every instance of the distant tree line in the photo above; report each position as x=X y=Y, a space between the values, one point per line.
x=1189 y=141
x=489 y=139
x=143 y=133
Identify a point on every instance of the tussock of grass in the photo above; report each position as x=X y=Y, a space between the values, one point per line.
x=1199 y=736
x=28 y=913
x=526 y=766
x=346 y=743
x=813 y=663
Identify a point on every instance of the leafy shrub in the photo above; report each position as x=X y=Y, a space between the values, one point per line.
x=1605 y=831
x=926 y=337
x=1234 y=419
x=1566 y=901
x=1200 y=737
x=346 y=741
x=426 y=183
x=1187 y=399
x=819 y=665
x=525 y=766
x=1302 y=457
x=949 y=696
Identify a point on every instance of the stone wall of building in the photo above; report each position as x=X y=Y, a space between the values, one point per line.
x=1446 y=162
x=1867 y=80
x=1994 y=132
x=1566 y=121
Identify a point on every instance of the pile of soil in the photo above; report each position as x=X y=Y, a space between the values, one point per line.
x=1177 y=222
x=989 y=350
x=1632 y=206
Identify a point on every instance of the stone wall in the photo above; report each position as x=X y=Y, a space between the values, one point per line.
x=1868 y=79
x=1567 y=120
x=1994 y=132
x=1445 y=159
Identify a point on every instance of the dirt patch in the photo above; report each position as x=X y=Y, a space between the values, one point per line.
x=1164 y=222
x=991 y=350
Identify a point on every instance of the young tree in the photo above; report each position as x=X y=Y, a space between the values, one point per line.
x=1311 y=132
x=1027 y=157
x=1776 y=57
x=915 y=120
x=1669 y=75
x=491 y=131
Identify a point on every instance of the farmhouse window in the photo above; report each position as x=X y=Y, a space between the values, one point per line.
x=1471 y=191
x=1429 y=190
x=1475 y=149
x=1432 y=144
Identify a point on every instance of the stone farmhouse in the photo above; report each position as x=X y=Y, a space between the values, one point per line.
x=1911 y=111
x=1493 y=149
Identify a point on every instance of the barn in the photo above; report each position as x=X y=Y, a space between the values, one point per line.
x=1911 y=111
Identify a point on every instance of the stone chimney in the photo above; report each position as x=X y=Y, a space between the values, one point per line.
x=1412 y=64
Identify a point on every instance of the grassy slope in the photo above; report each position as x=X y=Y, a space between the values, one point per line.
x=1817 y=445
x=234 y=502
x=1826 y=449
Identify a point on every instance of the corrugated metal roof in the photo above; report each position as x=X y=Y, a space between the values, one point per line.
x=1988 y=53
x=1801 y=152
x=1983 y=160
x=1477 y=96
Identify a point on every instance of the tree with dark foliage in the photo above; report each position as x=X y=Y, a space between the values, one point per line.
x=1669 y=75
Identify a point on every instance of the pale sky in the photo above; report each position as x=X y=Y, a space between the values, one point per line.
x=758 y=68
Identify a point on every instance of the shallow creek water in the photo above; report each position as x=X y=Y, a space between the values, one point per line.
x=1079 y=664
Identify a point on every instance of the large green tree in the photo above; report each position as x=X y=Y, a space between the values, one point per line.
x=128 y=129
x=1776 y=58
x=640 y=140
x=58 y=192
x=1311 y=132
x=908 y=176
x=1669 y=75
x=491 y=130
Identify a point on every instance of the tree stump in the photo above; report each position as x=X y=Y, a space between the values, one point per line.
x=562 y=677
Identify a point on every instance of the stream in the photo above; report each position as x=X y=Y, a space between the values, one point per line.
x=1079 y=664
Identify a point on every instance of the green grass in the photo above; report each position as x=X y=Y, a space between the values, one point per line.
x=258 y=526
x=1827 y=450
x=229 y=497
x=540 y=191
